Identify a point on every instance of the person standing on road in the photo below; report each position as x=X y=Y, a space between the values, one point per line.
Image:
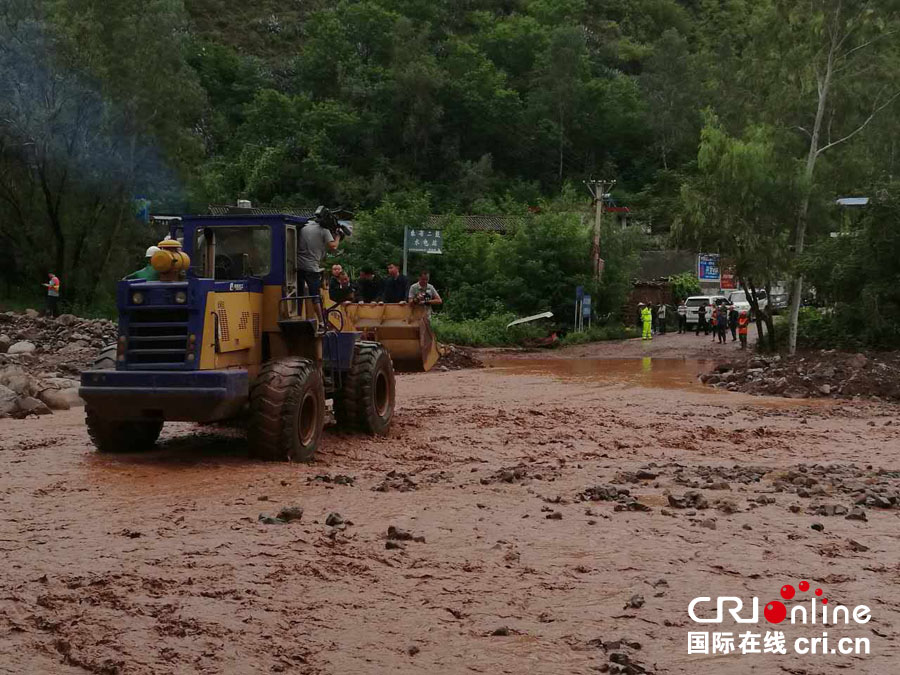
x=646 y=321
x=701 y=321
x=733 y=321
x=661 y=319
x=714 y=323
x=52 y=287
x=395 y=287
x=682 y=317
x=743 y=325
x=722 y=332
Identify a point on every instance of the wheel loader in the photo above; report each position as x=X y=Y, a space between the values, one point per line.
x=225 y=332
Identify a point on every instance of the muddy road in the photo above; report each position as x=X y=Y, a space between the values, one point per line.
x=555 y=515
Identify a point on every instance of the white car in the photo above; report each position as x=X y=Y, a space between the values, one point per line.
x=742 y=303
x=694 y=302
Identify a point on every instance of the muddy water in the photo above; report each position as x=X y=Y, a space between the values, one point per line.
x=642 y=372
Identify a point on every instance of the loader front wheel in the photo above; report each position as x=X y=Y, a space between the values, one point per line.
x=287 y=411
x=366 y=400
x=118 y=436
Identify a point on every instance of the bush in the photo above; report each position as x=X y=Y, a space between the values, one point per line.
x=818 y=329
x=487 y=332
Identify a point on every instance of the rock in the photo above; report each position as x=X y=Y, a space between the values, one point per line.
x=556 y=515
x=31 y=406
x=635 y=602
x=32 y=313
x=818 y=527
x=269 y=520
x=8 y=400
x=856 y=546
x=291 y=513
x=412 y=650
x=334 y=519
x=825 y=390
x=5 y=342
x=709 y=524
x=746 y=526
x=858 y=361
x=393 y=545
x=396 y=534
x=21 y=348
x=690 y=499
x=61 y=399
x=66 y=319
x=503 y=631
x=857 y=513
x=19 y=382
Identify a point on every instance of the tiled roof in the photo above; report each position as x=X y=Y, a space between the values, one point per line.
x=501 y=224
x=231 y=210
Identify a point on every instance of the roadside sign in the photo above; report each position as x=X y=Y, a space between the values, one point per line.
x=586 y=307
x=708 y=267
x=729 y=282
x=425 y=241
x=579 y=293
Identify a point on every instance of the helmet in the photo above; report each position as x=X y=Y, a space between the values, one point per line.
x=151 y=251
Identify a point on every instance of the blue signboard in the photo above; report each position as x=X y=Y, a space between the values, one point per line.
x=579 y=293
x=424 y=241
x=708 y=267
x=586 y=307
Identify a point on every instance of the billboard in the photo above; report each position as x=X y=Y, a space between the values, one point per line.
x=708 y=267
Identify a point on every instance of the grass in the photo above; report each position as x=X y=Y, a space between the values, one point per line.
x=492 y=332
x=599 y=334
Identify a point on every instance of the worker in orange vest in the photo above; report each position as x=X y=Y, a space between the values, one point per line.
x=743 y=326
x=52 y=287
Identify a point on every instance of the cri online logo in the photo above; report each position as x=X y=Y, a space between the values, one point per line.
x=776 y=612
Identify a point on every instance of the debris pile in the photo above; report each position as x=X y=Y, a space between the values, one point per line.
x=454 y=357
x=41 y=358
x=823 y=374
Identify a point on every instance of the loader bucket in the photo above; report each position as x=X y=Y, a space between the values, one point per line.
x=404 y=330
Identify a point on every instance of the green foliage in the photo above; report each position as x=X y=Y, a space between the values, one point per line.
x=490 y=331
x=685 y=285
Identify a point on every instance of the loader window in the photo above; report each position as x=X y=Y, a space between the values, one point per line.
x=240 y=252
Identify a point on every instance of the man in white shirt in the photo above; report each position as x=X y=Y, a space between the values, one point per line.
x=423 y=293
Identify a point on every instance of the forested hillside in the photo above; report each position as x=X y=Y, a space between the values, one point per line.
x=482 y=106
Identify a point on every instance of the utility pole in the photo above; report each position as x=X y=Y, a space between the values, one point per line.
x=598 y=189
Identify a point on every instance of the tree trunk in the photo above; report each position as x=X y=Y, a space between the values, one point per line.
x=824 y=86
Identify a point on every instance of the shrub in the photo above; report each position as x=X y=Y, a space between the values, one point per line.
x=487 y=332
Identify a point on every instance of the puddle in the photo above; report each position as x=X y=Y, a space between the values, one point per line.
x=642 y=372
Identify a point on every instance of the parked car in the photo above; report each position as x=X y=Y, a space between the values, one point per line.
x=742 y=303
x=694 y=302
x=779 y=302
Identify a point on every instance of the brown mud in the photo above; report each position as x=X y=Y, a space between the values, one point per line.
x=550 y=515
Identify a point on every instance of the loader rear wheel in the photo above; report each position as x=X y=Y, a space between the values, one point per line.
x=118 y=436
x=366 y=401
x=287 y=411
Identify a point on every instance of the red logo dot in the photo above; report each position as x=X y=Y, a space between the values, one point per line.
x=804 y=585
x=824 y=601
x=818 y=591
x=787 y=591
x=775 y=612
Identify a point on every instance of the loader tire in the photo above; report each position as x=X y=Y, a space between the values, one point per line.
x=118 y=436
x=287 y=411
x=366 y=400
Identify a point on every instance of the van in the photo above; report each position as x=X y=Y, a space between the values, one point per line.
x=694 y=302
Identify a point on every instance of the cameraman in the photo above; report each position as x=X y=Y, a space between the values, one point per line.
x=423 y=293
x=316 y=239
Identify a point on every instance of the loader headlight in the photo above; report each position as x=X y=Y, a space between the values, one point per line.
x=137 y=298
x=180 y=297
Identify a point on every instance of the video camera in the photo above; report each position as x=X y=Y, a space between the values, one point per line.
x=328 y=219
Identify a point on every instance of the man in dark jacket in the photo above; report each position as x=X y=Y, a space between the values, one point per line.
x=733 y=315
x=367 y=286
x=395 y=286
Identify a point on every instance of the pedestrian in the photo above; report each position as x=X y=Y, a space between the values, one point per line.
x=733 y=316
x=701 y=321
x=662 y=319
x=714 y=322
x=147 y=272
x=52 y=287
x=341 y=290
x=646 y=321
x=743 y=326
x=682 y=317
x=367 y=286
x=423 y=293
x=723 y=326
x=395 y=287
x=654 y=325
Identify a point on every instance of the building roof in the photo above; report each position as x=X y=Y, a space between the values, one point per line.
x=483 y=223
x=231 y=210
